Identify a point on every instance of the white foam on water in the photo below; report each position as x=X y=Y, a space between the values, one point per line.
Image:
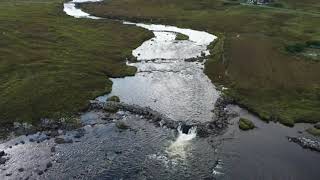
x=178 y=149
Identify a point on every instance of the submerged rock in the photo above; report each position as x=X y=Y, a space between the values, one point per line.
x=306 y=143
x=63 y=140
x=122 y=125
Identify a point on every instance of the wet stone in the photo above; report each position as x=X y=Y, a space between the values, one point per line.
x=3 y=160
x=53 y=149
x=118 y=152
x=80 y=133
x=317 y=126
x=2 y=153
x=39 y=172
x=306 y=143
x=49 y=165
x=21 y=169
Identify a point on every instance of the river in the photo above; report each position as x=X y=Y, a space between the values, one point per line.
x=171 y=85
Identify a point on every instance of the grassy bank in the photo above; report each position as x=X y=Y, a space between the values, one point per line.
x=52 y=64
x=251 y=56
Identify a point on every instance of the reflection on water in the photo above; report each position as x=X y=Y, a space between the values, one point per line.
x=173 y=87
x=265 y=152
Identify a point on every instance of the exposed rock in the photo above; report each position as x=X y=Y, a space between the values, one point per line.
x=49 y=165
x=317 y=126
x=3 y=160
x=39 y=172
x=53 y=149
x=222 y=116
x=111 y=108
x=185 y=128
x=79 y=133
x=118 y=152
x=306 y=143
x=114 y=98
x=2 y=153
x=21 y=169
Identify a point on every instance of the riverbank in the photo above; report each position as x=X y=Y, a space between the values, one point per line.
x=52 y=64
x=253 y=63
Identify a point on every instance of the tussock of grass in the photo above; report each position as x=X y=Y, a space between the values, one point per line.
x=181 y=37
x=246 y=124
x=313 y=131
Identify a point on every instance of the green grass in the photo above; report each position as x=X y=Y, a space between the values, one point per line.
x=313 y=131
x=246 y=124
x=250 y=56
x=181 y=37
x=52 y=64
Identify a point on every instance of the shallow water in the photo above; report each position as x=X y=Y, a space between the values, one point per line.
x=266 y=153
x=180 y=90
x=165 y=81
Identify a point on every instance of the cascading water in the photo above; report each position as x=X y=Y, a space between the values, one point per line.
x=178 y=148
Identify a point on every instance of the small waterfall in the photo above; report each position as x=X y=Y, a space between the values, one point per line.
x=178 y=148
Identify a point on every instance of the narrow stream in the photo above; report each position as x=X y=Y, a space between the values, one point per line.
x=169 y=84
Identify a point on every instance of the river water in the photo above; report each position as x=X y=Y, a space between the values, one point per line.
x=169 y=84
